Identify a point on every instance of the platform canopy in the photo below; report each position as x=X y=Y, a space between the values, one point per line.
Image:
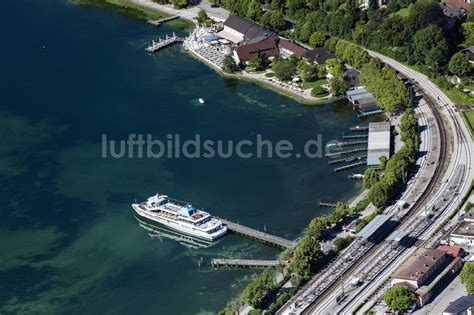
x=373 y=226
x=397 y=236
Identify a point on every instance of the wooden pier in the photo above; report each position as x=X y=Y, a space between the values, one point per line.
x=327 y=205
x=350 y=143
x=162 y=43
x=346 y=152
x=355 y=136
x=215 y=262
x=161 y=21
x=346 y=167
x=258 y=235
x=359 y=129
x=347 y=160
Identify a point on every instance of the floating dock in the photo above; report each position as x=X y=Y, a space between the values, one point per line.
x=346 y=167
x=347 y=160
x=246 y=263
x=359 y=129
x=355 y=136
x=346 y=152
x=159 y=22
x=162 y=43
x=327 y=205
x=258 y=235
x=350 y=143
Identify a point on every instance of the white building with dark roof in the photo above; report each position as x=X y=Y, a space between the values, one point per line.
x=379 y=143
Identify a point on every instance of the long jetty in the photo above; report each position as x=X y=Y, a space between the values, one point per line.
x=347 y=160
x=258 y=235
x=346 y=152
x=217 y=262
x=359 y=129
x=349 y=143
x=346 y=167
x=161 y=21
x=162 y=43
x=355 y=136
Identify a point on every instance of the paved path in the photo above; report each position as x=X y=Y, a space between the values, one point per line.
x=453 y=291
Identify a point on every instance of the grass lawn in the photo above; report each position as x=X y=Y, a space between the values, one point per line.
x=469 y=118
x=310 y=85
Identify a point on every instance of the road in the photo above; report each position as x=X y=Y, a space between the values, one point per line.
x=381 y=262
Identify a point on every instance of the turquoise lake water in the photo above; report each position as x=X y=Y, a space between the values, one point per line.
x=69 y=243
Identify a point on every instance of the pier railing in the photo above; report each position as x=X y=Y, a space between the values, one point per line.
x=246 y=263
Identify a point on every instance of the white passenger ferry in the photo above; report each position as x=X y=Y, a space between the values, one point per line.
x=181 y=217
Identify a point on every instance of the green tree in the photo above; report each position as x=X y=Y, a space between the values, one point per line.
x=430 y=46
x=305 y=32
x=467 y=29
x=337 y=86
x=284 y=69
x=258 y=290
x=317 y=39
x=399 y=298
x=258 y=61
x=307 y=256
x=334 y=67
x=277 y=20
x=467 y=276
x=377 y=195
x=339 y=213
x=370 y=178
x=179 y=4
x=202 y=17
x=342 y=242
x=306 y=70
x=229 y=64
x=459 y=64
x=254 y=10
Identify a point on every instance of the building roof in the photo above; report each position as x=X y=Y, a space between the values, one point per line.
x=397 y=235
x=229 y=36
x=239 y=24
x=318 y=55
x=466 y=228
x=252 y=32
x=267 y=47
x=379 y=142
x=418 y=264
x=451 y=250
x=459 y=305
x=293 y=47
x=373 y=226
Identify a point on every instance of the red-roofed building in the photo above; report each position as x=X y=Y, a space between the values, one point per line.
x=290 y=48
x=454 y=251
x=267 y=47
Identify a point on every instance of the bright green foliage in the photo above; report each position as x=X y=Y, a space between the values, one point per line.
x=284 y=69
x=254 y=10
x=334 y=67
x=399 y=298
x=371 y=177
x=273 y=19
x=467 y=276
x=430 y=46
x=459 y=64
x=342 y=242
x=259 y=289
x=179 y=4
x=339 y=213
x=258 y=61
x=467 y=29
x=318 y=91
x=337 y=86
x=202 y=17
x=384 y=84
x=317 y=39
x=306 y=70
x=229 y=64
x=351 y=54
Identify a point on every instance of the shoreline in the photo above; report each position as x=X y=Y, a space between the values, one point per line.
x=264 y=84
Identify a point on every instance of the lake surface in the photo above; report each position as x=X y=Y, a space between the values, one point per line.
x=69 y=242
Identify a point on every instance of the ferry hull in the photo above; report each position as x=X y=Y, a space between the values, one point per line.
x=177 y=227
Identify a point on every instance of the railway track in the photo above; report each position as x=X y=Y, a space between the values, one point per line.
x=419 y=204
